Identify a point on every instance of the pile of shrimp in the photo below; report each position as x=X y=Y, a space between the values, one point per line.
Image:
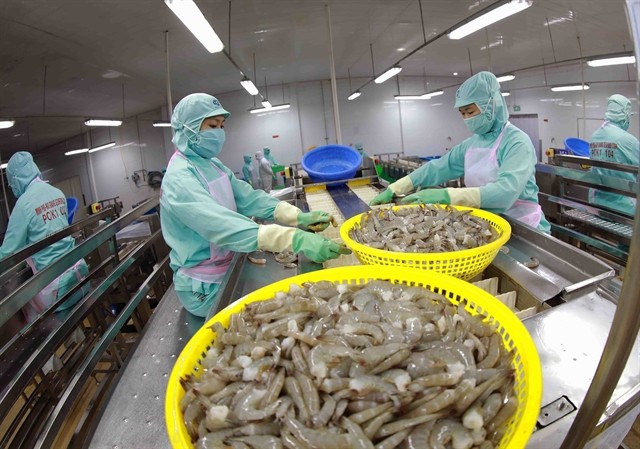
x=422 y=229
x=338 y=366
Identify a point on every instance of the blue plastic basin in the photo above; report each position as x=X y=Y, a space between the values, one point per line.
x=576 y=146
x=72 y=206
x=331 y=163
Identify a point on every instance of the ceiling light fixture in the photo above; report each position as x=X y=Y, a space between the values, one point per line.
x=570 y=87
x=486 y=19
x=388 y=74
x=272 y=108
x=503 y=78
x=102 y=147
x=354 y=95
x=4 y=124
x=249 y=86
x=601 y=62
x=191 y=16
x=160 y=124
x=505 y=94
x=3 y=165
x=80 y=151
x=99 y=122
x=455 y=73
x=266 y=104
x=435 y=93
x=411 y=97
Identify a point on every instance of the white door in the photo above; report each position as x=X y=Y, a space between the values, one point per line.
x=72 y=187
x=529 y=124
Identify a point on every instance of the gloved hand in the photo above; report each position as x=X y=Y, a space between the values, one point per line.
x=383 y=198
x=316 y=247
x=428 y=196
x=316 y=221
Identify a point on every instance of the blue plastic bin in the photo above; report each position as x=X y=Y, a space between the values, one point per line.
x=331 y=163
x=72 y=207
x=577 y=147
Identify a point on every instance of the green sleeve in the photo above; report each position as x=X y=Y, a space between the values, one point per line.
x=17 y=233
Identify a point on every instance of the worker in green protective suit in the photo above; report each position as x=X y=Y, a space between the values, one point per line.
x=612 y=143
x=497 y=162
x=205 y=209
x=249 y=172
x=40 y=211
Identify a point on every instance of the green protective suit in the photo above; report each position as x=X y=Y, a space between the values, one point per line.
x=249 y=172
x=191 y=218
x=515 y=154
x=612 y=143
x=41 y=210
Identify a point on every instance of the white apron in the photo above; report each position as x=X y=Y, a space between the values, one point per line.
x=212 y=270
x=481 y=168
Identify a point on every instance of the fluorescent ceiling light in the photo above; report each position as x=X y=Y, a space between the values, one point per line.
x=102 y=147
x=506 y=94
x=570 y=87
x=354 y=95
x=388 y=74
x=249 y=86
x=4 y=124
x=272 y=108
x=503 y=78
x=97 y=122
x=81 y=150
x=161 y=124
x=499 y=13
x=191 y=16
x=611 y=61
x=435 y=93
x=3 y=165
x=411 y=97
x=267 y=104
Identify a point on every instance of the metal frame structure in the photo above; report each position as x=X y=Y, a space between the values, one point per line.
x=36 y=403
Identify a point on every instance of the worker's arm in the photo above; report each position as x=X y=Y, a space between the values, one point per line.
x=630 y=149
x=437 y=171
x=17 y=233
x=191 y=204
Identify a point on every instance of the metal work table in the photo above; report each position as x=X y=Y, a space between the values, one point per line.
x=134 y=417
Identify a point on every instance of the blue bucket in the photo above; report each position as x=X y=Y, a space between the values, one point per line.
x=577 y=147
x=331 y=163
x=72 y=207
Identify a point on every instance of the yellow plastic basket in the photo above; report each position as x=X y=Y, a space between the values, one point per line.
x=528 y=378
x=463 y=264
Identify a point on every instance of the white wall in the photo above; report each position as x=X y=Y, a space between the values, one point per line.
x=375 y=119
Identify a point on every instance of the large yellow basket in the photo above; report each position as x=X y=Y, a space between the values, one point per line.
x=528 y=378
x=463 y=264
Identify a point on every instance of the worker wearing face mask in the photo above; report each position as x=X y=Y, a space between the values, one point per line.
x=497 y=162
x=40 y=211
x=264 y=171
x=612 y=143
x=249 y=172
x=272 y=160
x=205 y=209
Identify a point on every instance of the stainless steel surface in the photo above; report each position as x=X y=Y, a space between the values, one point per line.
x=569 y=339
x=134 y=417
x=618 y=353
x=554 y=411
x=598 y=244
x=619 y=229
x=12 y=303
x=563 y=158
x=601 y=213
x=582 y=273
x=590 y=179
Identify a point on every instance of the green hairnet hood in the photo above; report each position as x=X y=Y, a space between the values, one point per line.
x=21 y=170
x=483 y=89
x=266 y=150
x=618 y=111
x=247 y=158
x=188 y=116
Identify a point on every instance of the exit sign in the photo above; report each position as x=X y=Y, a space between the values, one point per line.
x=516 y=107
